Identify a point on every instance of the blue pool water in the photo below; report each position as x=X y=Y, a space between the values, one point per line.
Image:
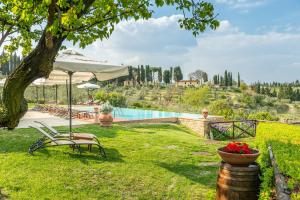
x=137 y=114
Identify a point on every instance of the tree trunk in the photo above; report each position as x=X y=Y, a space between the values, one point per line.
x=39 y=63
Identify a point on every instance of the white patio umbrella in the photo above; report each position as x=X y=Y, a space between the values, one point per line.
x=57 y=77
x=72 y=63
x=88 y=86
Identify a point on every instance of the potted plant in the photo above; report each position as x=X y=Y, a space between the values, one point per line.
x=105 y=117
x=238 y=153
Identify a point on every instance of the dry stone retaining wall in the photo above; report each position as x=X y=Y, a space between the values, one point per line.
x=200 y=126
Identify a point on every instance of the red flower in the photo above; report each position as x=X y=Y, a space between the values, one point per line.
x=237 y=147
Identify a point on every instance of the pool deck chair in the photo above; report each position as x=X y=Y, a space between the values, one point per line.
x=49 y=141
x=76 y=136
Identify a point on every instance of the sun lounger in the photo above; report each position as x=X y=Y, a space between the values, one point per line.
x=49 y=141
x=76 y=136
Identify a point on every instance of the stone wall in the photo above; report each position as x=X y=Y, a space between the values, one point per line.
x=150 y=121
x=199 y=126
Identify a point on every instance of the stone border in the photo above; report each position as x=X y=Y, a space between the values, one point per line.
x=199 y=126
x=150 y=121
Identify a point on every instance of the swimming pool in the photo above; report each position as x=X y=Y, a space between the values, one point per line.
x=138 y=114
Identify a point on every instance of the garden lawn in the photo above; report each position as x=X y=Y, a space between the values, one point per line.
x=285 y=142
x=143 y=162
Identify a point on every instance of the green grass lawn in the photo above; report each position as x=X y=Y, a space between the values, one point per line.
x=285 y=142
x=144 y=162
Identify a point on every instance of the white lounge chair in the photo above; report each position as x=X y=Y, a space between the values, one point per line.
x=49 y=141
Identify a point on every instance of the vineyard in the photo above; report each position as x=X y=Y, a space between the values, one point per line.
x=285 y=141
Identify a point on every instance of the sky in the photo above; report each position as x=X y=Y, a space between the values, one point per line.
x=258 y=38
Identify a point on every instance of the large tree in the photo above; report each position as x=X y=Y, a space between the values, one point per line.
x=199 y=75
x=166 y=76
x=50 y=22
x=177 y=74
x=142 y=74
x=159 y=75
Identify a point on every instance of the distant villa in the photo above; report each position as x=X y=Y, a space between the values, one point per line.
x=188 y=83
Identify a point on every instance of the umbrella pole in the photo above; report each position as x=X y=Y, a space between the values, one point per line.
x=37 y=94
x=56 y=94
x=70 y=102
x=44 y=94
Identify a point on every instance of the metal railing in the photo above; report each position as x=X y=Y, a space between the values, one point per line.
x=232 y=129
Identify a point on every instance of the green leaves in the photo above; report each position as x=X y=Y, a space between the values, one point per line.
x=84 y=21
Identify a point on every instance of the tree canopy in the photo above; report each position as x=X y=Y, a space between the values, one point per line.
x=84 y=21
x=40 y=27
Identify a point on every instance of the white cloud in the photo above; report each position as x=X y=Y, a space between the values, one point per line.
x=242 y=4
x=269 y=56
x=225 y=26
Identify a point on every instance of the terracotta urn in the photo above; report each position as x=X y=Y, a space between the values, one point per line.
x=238 y=159
x=205 y=113
x=106 y=119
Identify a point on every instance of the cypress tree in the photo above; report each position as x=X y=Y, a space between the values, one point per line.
x=142 y=74
x=205 y=77
x=130 y=73
x=215 y=79
x=148 y=74
x=222 y=82
x=239 y=80
x=138 y=79
x=177 y=74
x=226 y=78
x=171 y=74
x=159 y=76
x=166 y=76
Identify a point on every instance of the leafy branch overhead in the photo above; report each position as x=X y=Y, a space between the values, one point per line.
x=84 y=21
x=48 y=23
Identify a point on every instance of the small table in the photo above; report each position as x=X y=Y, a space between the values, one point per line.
x=84 y=136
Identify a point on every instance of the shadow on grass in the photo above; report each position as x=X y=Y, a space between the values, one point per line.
x=93 y=129
x=205 y=175
x=112 y=155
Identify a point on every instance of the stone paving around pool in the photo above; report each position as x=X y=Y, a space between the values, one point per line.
x=32 y=116
x=200 y=126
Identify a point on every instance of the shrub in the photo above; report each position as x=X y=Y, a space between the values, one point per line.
x=114 y=98
x=196 y=97
x=143 y=105
x=259 y=100
x=117 y=99
x=223 y=108
x=263 y=116
x=282 y=108
x=241 y=114
x=101 y=95
x=137 y=105
x=284 y=140
x=243 y=86
x=251 y=101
